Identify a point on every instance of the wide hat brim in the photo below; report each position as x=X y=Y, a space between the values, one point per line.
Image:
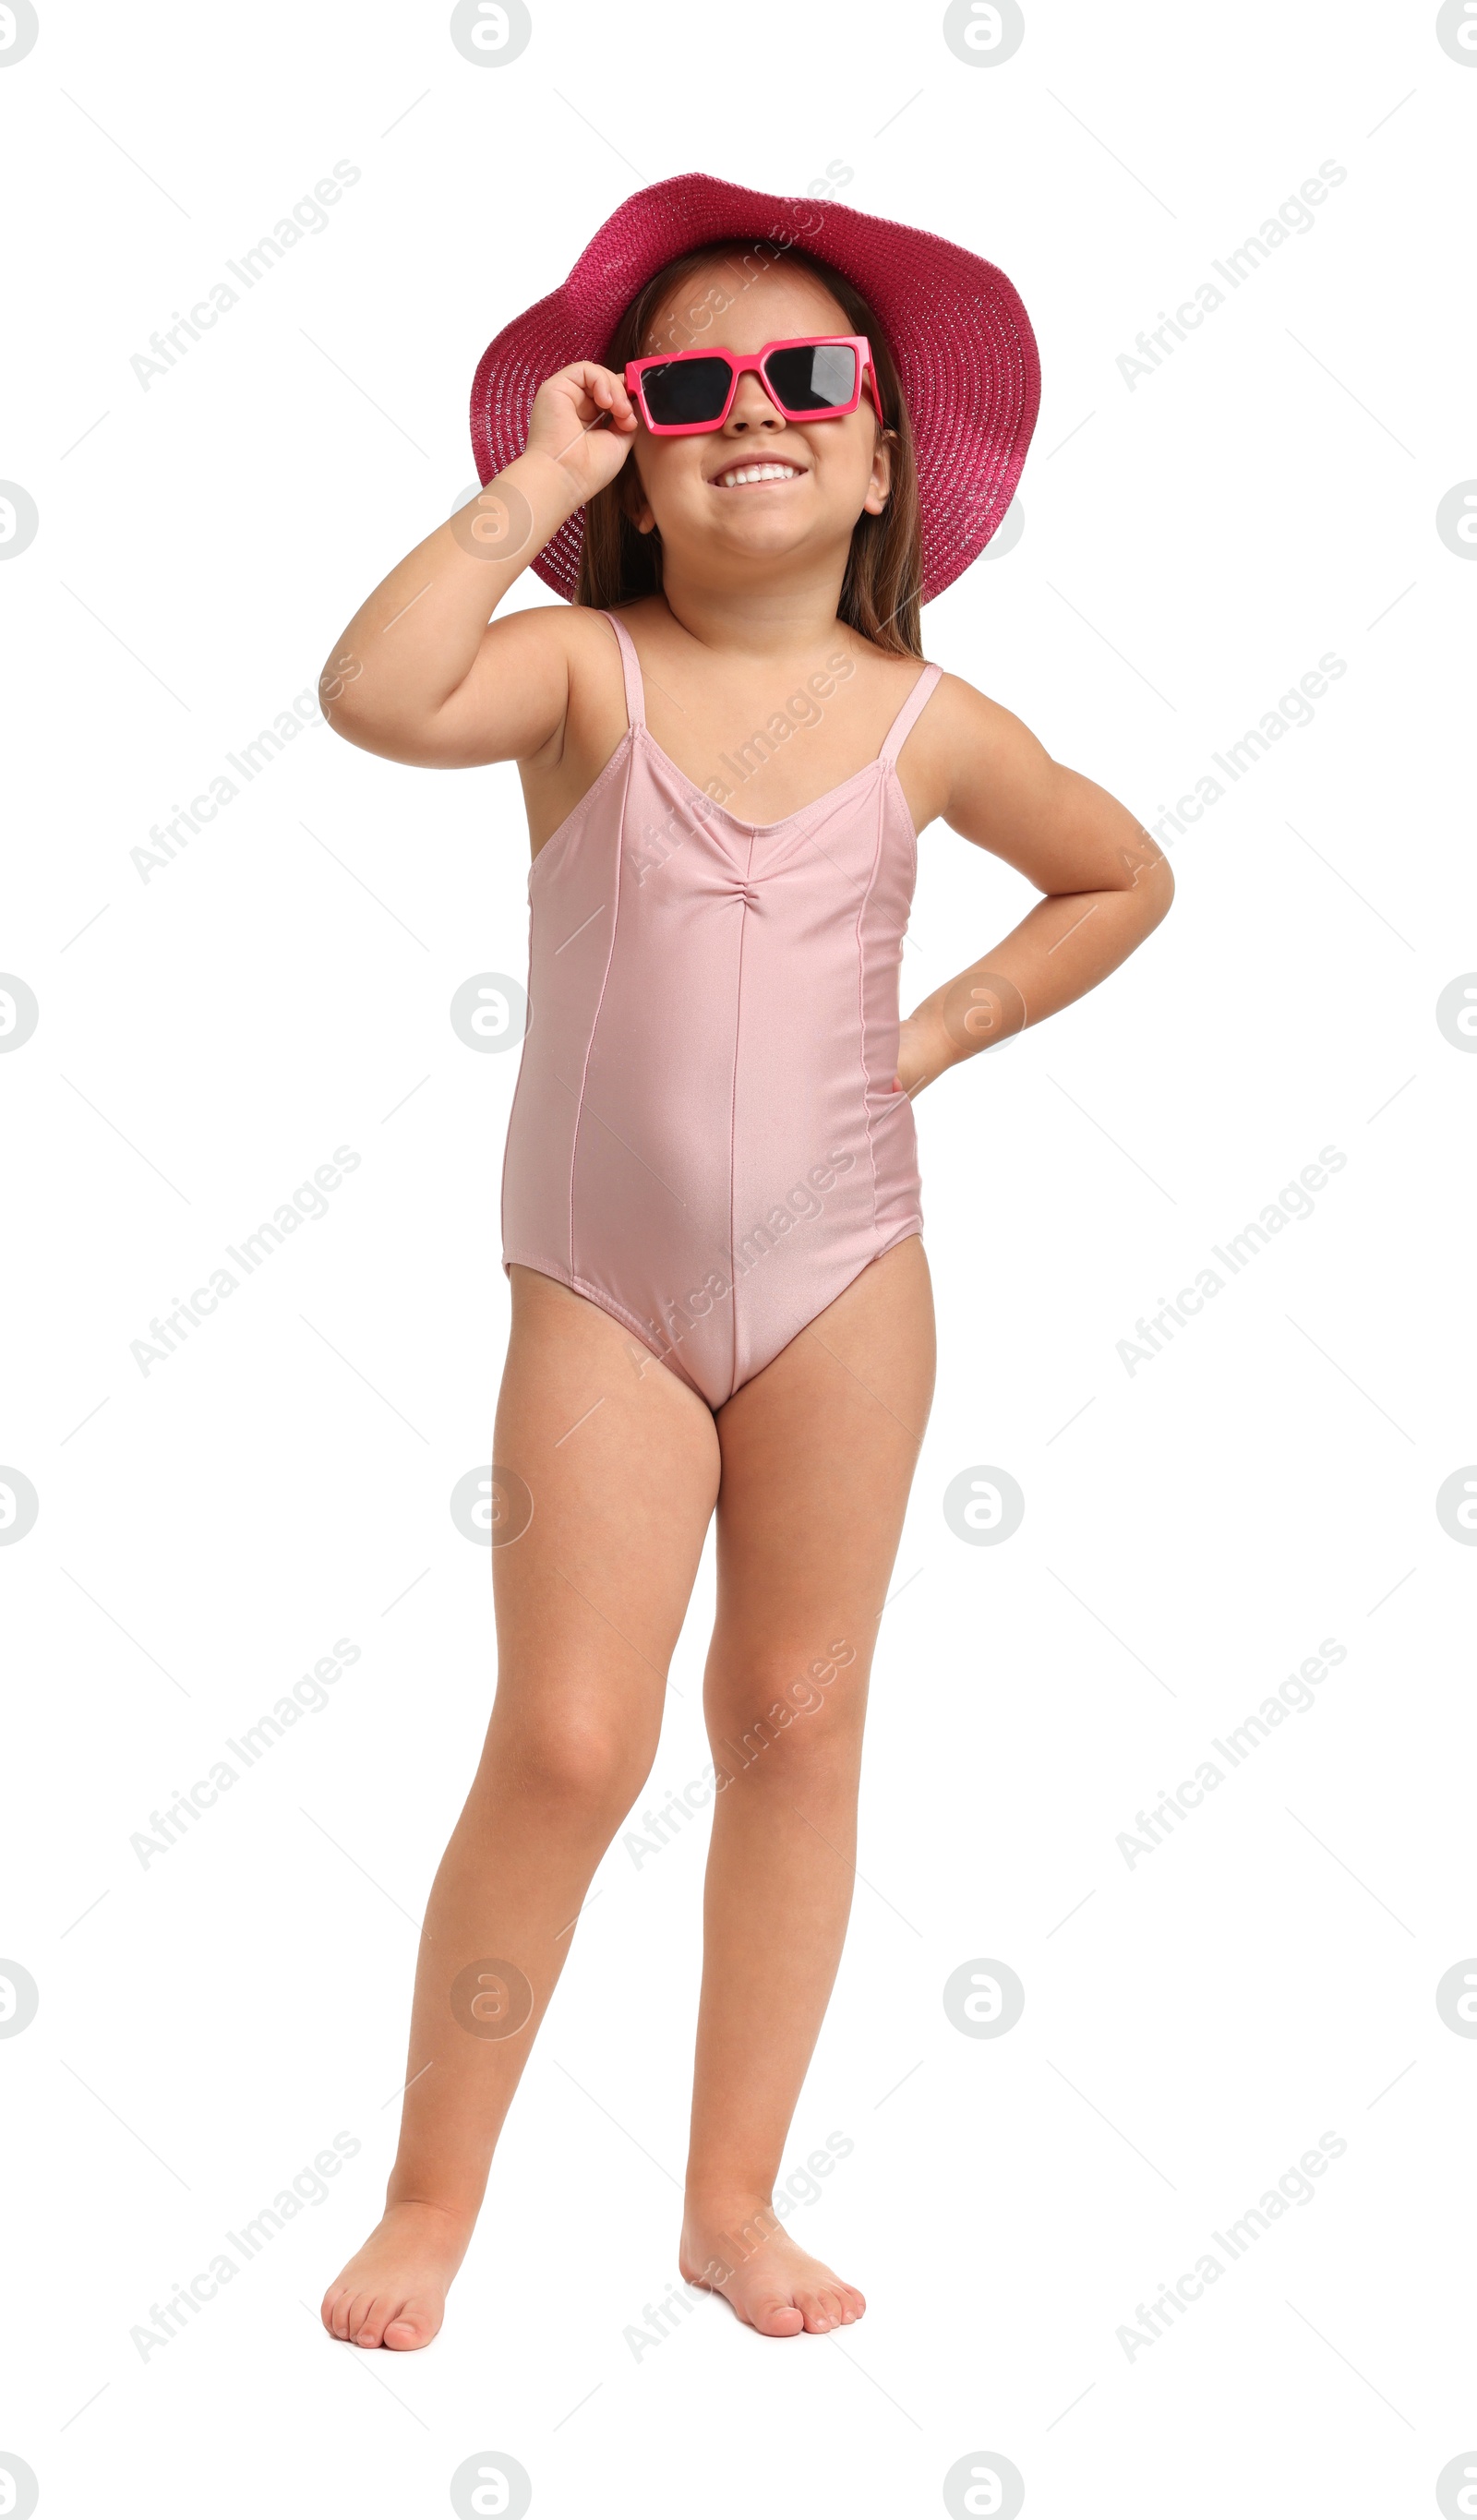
x=956 y=328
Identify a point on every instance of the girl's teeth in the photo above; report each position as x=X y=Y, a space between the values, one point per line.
x=757 y=473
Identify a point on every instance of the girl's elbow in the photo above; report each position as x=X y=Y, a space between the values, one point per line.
x=340 y=698
x=1155 y=885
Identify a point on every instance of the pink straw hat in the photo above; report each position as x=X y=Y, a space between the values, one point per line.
x=958 y=333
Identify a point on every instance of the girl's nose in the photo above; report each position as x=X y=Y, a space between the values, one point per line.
x=752 y=404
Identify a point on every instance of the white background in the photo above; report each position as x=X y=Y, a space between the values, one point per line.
x=1193 y=1531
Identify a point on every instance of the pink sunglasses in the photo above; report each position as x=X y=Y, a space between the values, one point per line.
x=818 y=377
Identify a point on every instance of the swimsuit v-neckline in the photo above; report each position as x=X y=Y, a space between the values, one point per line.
x=884 y=759
x=756 y=831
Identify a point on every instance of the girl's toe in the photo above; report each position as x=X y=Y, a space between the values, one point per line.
x=411 y=2325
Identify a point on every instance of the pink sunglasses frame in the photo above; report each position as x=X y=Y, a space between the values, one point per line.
x=741 y=362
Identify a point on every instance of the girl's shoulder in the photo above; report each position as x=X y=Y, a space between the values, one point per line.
x=577 y=638
x=965 y=747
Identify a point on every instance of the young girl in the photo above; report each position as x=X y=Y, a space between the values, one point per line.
x=710 y=1199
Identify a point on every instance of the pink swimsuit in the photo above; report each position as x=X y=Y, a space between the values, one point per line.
x=704 y=1138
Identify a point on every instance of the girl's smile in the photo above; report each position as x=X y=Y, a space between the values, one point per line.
x=746 y=476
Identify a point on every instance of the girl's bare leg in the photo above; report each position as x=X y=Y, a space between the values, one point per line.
x=621 y=1462
x=817 y=1457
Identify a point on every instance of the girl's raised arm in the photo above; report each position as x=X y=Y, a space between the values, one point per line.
x=1106 y=883
x=422 y=673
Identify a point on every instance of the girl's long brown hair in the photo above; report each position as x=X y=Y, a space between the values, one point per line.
x=880 y=592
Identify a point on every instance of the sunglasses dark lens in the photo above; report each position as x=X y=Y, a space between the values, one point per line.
x=816 y=377
x=688 y=390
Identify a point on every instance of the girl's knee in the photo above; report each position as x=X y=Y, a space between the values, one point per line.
x=781 y=1712
x=582 y=1767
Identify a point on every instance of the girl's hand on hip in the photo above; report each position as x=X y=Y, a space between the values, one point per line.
x=923 y=1051
x=568 y=425
x=918 y=1059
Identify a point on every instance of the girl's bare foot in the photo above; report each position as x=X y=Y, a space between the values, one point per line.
x=746 y=2253
x=394 y=2291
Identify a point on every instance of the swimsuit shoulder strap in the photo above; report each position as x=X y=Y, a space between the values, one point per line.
x=912 y=708
x=636 y=711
